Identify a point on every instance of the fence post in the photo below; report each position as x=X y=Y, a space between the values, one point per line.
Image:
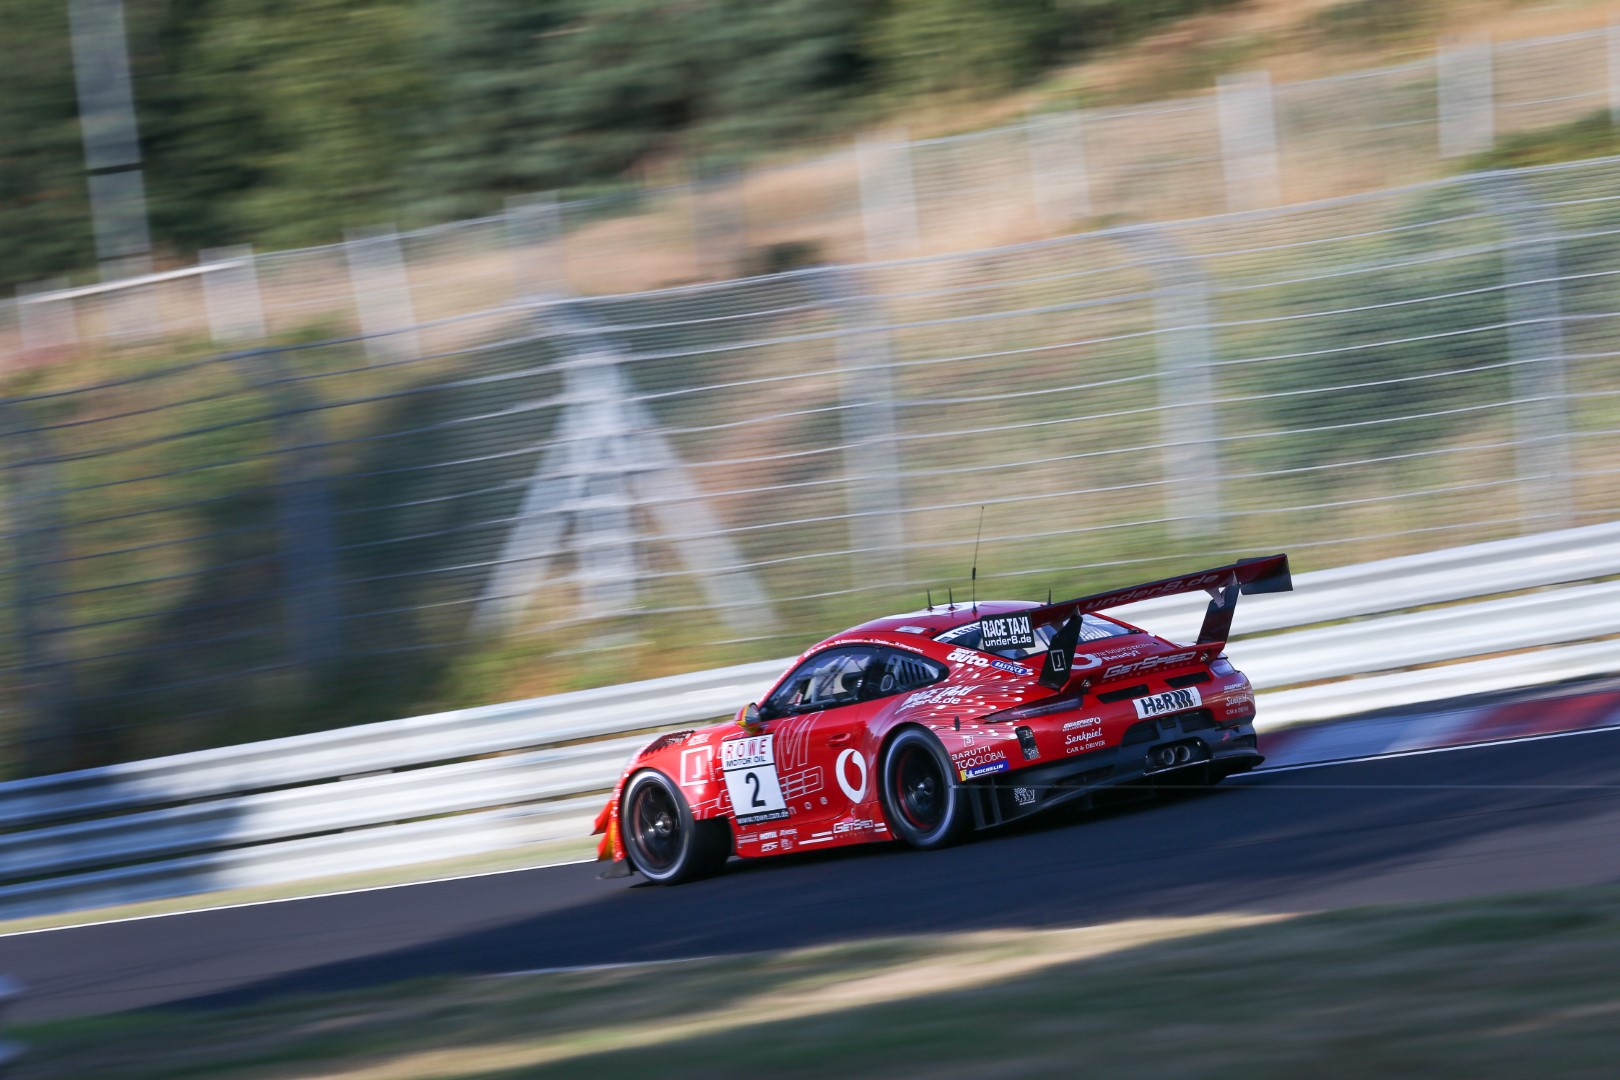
x=875 y=495
x=112 y=160
x=534 y=236
x=1187 y=424
x=888 y=194
x=1536 y=346
x=1248 y=123
x=231 y=294
x=1614 y=70
x=382 y=290
x=1467 y=121
x=308 y=554
x=1057 y=165
x=34 y=520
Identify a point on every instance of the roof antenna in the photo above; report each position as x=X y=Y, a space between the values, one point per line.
x=950 y=599
x=974 y=577
x=1049 y=596
x=930 y=599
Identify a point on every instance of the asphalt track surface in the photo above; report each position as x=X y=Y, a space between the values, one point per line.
x=1532 y=814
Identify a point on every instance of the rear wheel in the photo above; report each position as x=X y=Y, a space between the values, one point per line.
x=925 y=805
x=663 y=839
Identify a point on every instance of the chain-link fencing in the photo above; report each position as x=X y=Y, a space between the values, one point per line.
x=593 y=489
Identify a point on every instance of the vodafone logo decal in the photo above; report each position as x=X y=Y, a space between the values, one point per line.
x=856 y=790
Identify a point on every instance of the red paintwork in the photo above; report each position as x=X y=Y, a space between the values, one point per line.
x=829 y=761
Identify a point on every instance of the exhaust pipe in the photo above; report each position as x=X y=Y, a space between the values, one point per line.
x=1183 y=754
x=1165 y=755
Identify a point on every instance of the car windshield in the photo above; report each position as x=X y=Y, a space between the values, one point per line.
x=1092 y=628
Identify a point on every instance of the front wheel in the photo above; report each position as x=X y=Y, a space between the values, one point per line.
x=925 y=805
x=663 y=840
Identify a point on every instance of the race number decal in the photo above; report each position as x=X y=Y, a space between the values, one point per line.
x=750 y=770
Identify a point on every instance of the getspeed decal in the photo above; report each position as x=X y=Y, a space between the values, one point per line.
x=1152 y=663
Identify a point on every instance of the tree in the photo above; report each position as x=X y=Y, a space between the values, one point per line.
x=44 y=202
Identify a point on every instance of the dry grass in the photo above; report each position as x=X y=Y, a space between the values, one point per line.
x=1498 y=987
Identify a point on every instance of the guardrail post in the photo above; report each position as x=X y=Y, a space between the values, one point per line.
x=1248 y=124
x=1057 y=166
x=888 y=194
x=875 y=495
x=1536 y=345
x=34 y=516
x=382 y=290
x=231 y=293
x=1467 y=123
x=1187 y=425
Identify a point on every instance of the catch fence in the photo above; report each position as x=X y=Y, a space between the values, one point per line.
x=580 y=490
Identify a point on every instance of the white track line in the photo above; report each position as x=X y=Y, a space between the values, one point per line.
x=1428 y=750
x=292 y=899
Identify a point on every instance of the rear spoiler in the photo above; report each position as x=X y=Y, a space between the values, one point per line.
x=1223 y=583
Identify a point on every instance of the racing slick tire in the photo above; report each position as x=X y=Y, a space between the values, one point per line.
x=925 y=805
x=662 y=838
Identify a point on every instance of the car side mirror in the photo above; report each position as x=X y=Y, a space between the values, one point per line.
x=748 y=718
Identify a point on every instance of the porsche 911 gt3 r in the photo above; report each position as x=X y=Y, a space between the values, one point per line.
x=925 y=726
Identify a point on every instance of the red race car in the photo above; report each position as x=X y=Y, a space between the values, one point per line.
x=925 y=726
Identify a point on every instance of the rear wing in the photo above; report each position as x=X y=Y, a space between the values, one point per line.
x=1223 y=583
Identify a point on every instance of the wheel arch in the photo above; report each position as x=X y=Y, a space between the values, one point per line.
x=882 y=751
x=701 y=799
x=708 y=862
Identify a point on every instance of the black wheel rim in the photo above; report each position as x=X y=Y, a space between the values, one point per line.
x=655 y=823
x=921 y=788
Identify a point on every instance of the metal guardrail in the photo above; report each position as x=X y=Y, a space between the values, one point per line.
x=497 y=777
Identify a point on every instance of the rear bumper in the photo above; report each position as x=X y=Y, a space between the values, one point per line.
x=1185 y=744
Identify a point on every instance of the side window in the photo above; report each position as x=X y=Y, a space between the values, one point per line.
x=825 y=681
x=844 y=676
x=903 y=671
